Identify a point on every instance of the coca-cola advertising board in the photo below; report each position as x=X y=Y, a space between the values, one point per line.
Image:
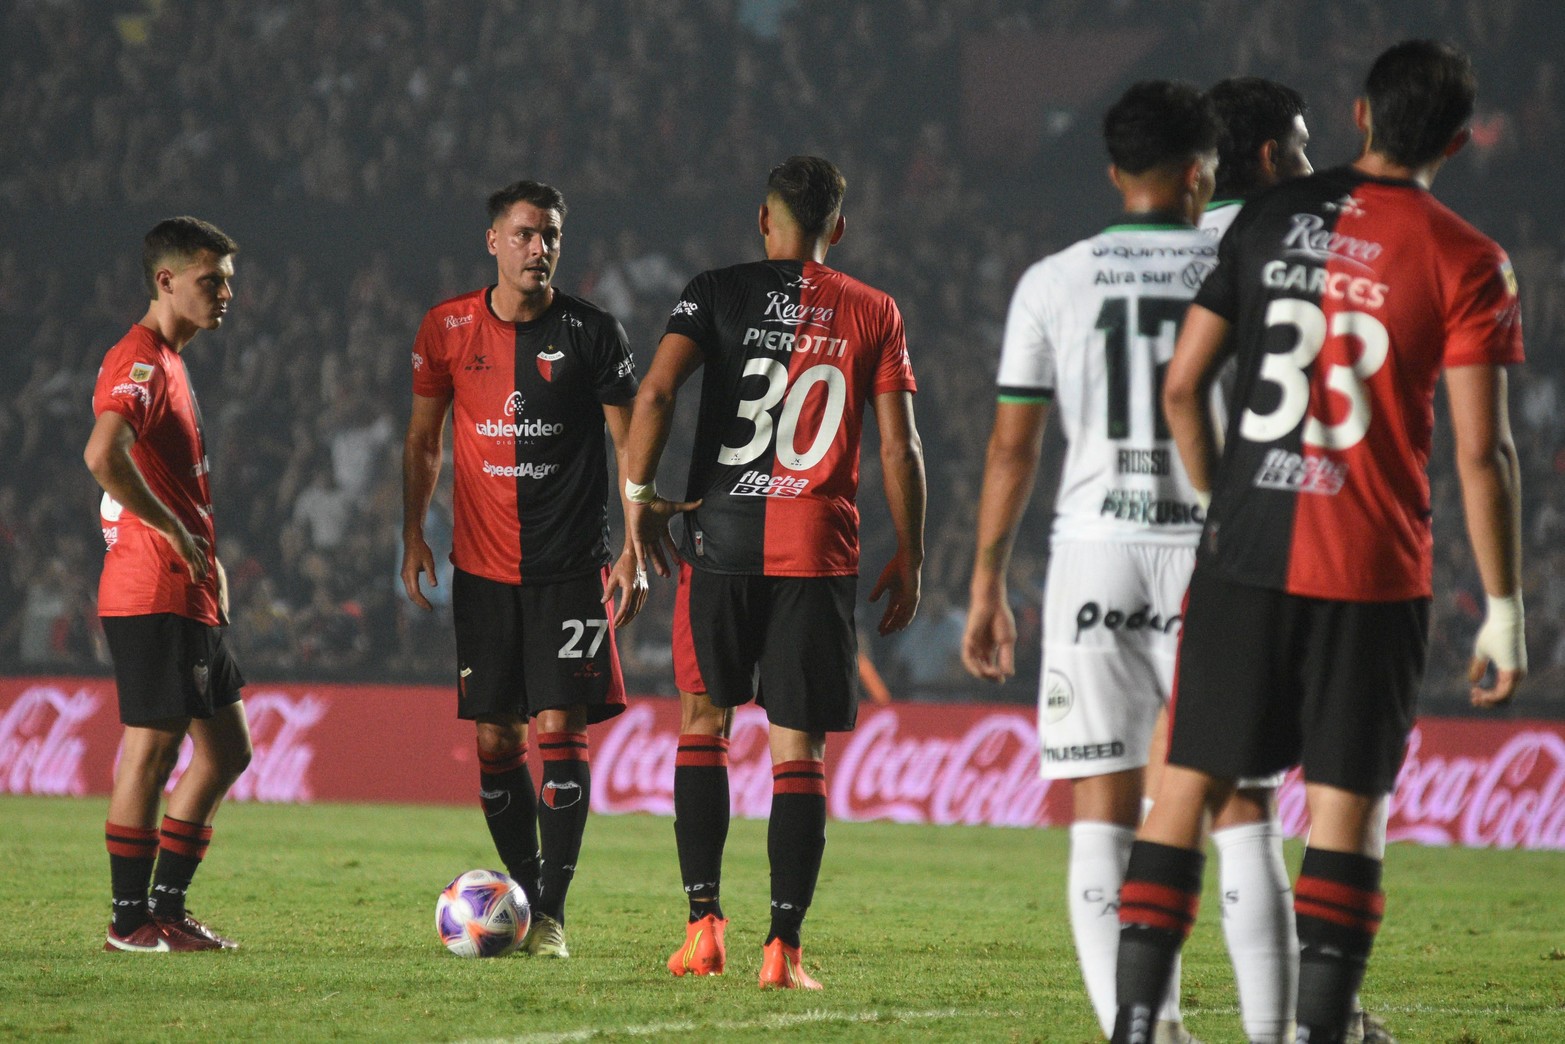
x=1466 y=781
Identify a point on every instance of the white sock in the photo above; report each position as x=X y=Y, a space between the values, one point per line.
x=1099 y=854
x=1169 y=1012
x=1258 y=924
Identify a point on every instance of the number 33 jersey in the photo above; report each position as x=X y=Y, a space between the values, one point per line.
x=793 y=352
x=1347 y=295
x=1093 y=327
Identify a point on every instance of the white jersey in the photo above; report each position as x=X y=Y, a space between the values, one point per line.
x=1094 y=327
x=1220 y=213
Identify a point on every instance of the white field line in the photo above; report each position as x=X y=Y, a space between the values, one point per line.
x=778 y=1021
x=783 y=1020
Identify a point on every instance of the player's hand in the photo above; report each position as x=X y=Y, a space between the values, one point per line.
x=630 y=581
x=418 y=558
x=1502 y=642
x=194 y=551
x=649 y=536
x=902 y=581
x=989 y=643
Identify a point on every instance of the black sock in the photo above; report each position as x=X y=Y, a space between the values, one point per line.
x=511 y=809
x=1157 y=907
x=795 y=840
x=701 y=819
x=182 y=847
x=562 y=813
x=132 y=852
x=1338 y=905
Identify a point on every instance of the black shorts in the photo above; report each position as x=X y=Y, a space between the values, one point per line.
x=1267 y=680
x=797 y=629
x=170 y=668
x=525 y=649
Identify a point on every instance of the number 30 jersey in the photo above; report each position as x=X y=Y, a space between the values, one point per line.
x=1347 y=295
x=793 y=353
x=1093 y=327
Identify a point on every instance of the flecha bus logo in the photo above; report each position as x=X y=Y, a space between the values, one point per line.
x=546 y=361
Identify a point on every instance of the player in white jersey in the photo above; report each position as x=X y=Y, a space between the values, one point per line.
x=1089 y=332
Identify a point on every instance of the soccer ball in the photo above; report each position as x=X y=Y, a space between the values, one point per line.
x=483 y=913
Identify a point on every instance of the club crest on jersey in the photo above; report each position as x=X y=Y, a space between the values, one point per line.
x=141 y=372
x=546 y=361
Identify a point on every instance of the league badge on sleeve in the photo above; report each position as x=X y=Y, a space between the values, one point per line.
x=142 y=372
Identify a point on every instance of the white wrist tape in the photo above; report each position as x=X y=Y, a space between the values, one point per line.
x=1502 y=638
x=1204 y=498
x=641 y=492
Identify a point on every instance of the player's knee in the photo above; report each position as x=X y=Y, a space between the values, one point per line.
x=231 y=763
x=1243 y=807
x=698 y=717
x=498 y=739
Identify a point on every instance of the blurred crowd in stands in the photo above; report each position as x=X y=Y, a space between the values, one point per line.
x=349 y=146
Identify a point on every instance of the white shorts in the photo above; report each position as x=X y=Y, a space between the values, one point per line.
x=1111 y=622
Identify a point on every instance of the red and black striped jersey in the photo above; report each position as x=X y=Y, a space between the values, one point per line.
x=1348 y=295
x=531 y=466
x=793 y=353
x=144 y=380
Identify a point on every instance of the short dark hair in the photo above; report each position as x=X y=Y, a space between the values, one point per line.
x=1421 y=94
x=1159 y=122
x=182 y=238
x=544 y=197
x=811 y=188
x=1253 y=111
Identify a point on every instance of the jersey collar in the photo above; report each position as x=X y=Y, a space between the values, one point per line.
x=1149 y=221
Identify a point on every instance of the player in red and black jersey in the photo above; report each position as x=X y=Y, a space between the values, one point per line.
x=794 y=353
x=163 y=596
x=1344 y=296
x=530 y=376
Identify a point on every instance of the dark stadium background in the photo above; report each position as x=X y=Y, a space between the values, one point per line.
x=349 y=147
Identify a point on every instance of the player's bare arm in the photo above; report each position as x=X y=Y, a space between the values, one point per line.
x=907 y=497
x=626 y=578
x=1490 y=475
x=108 y=458
x=1187 y=402
x=421 y=451
x=1010 y=468
x=647 y=516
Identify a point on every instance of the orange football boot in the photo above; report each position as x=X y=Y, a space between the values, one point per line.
x=703 y=952
x=782 y=968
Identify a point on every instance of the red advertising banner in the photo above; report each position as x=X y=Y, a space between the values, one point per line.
x=1477 y=783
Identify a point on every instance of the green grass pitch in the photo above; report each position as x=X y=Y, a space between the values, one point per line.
x=919 y=933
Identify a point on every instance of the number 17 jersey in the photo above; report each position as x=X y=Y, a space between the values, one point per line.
x=1093 y=328
x=793 y=351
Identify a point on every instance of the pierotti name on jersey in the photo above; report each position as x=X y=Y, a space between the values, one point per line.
x=1297 y=473
x=527 y=429
x=1139 y=505
x=760 y=484
x=1142 y=462
x=1338 y=286
x=525 y=469
x=788 y=341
